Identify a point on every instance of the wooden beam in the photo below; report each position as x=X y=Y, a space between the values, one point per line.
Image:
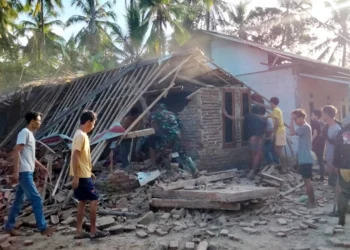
x=272 y=177
x=140 y=133
x=194 y=204
x=194 y=81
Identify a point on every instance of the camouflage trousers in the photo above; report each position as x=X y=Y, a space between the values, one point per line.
x=343 y=199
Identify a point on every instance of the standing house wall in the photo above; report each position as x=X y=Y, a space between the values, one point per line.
x=202 y=132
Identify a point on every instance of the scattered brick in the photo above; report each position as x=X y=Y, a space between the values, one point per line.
x=329 y=231
x=346 y=244
x=5 y=246
x=4 y=237
x=163 y=245
x=141 y=234
x=224 y=232
x=280 y=234
x=28 y=242
x=246 y=224
x=147 y=218
x=161 y=232
x=189 y=246
x=250 y=230
x=310 y=224
x=174 y=245
x=282 y=222
x=234 y=237
x=210 y=233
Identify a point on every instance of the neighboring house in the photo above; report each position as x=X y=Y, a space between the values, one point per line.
x=298 y=81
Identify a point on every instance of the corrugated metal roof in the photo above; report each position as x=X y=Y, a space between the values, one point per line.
x=273 y=51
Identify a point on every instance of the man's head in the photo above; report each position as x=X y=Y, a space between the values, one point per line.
x=274 y=101
x=316 y=115
x=33 y=120
x=134 y=112
x=87 y=120
x=299 y=116
x=328 y=113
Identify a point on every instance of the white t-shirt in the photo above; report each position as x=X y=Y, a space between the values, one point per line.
x=27 y=156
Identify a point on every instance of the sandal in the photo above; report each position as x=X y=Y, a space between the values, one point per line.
x=82 y=235
x=99 y=234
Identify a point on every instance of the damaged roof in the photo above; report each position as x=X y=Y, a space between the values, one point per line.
x=111 y=94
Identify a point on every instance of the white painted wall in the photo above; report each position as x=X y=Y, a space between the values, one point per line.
x=280 y=83
x=238 y=58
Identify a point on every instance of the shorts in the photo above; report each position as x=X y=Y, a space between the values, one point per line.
x=281 y=139
x=305 y=170
x=256 y=143
x=86 y=190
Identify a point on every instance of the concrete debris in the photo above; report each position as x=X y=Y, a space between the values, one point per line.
x=189 y=246
x=282 y=222
x=346 y=244
x=335 y=242
x=224 y=232
x=174 y=245
x=203 y=245
x=5 y=246
x=28 y=242
x=280 y=234
x=310 y=224
x=250 y=230
x=163 y=245
x=141 y=234
x=147 y=219
x=329 y=231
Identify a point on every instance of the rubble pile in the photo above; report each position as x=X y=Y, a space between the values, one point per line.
x=118 y=181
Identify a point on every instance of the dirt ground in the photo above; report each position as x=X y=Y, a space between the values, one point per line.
x=266 y=238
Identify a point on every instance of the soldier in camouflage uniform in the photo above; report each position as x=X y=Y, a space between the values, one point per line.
x=167 y=135
x=342 y=163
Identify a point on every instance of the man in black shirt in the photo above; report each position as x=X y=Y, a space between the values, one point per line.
x=318 y=140
x=254 y=127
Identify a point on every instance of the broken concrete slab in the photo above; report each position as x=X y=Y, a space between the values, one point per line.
x=160 y=232
x=115 y=230
x=224 y=232
x=203 y=245
x=229 y=195
x=163 y=245
x=129 y=228
x=250 y=230
x=141 y=234
x=147 y=218
x=174 y=245
x=151 y=228
x=189 y=246
x=234 y=237
x=246 y=224
x=310 y=224
x=194 y=204
x=282 y=222
x=335 y=242
x=303 y=226
x=166 y=216
x=145 y=178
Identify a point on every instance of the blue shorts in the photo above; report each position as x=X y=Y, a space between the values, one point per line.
x=86 y=190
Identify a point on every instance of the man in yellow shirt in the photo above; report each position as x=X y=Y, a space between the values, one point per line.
x=280 y=131
x=81 y=170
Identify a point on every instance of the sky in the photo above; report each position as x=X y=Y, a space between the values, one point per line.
x=318 y=11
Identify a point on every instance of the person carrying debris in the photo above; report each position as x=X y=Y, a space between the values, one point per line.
x=83 y=178
x=318 y=140
x=254 y=127
x=304 y=155
x=280 y=131
x=330 y=131
x=24 y=165
x=167 y=135
x=342 y=165
x=123 y=150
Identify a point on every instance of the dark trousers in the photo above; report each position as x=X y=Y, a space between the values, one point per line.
x=343 y=199
x=269 y=152
x=320 y=161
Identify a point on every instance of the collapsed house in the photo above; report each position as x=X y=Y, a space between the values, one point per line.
x=209 y=102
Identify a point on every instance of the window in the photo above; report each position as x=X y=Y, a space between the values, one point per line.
x=229 y=125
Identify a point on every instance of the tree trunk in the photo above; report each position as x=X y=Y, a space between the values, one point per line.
x=93 y=28
x=41 y=36
x=344 y=54
x=207 y=19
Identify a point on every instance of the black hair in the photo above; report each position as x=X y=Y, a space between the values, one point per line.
x=134 y=112
x=86 y=116
x=299 y=113
x=330 y=110
x=317 y=113
x=275 y=100
x=31 y=115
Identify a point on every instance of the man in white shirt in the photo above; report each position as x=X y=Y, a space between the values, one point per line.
x=24 y=165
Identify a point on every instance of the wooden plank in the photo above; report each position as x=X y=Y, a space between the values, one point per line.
x=194 y=81
x=140 y=133
x=194 y=204
x=272 y=177
x=200 y=180
x=240 y=193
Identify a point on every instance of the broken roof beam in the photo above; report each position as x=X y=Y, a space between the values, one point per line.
x=194 y=81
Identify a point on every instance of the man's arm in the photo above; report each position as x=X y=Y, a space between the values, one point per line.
x=75 y=181
x=41 y=166
x=16 y=155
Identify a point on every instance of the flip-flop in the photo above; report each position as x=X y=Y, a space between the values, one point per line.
x=83 y=235
x=99 y=234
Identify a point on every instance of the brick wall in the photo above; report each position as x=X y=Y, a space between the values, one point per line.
x=203 y=133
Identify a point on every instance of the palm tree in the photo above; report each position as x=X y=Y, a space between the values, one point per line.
x=133 y=42
x=33 y=28
x=40 y=8
x=96 y=19
x=9 y=11
x=162 y=14
x=241 y=17
x=338 y=39
x=215 y=13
